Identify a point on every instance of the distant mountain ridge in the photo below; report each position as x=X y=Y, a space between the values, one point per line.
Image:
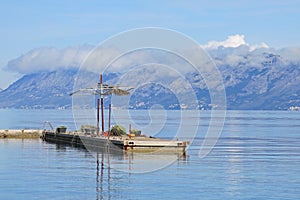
x=40 y=90
x=269 y=83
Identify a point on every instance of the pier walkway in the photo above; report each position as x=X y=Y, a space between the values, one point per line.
x=24 y=133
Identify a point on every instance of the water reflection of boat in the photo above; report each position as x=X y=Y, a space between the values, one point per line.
x=109 y=159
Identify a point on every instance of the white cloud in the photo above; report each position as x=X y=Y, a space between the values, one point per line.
x=234 y=51
x=93 y=59
x=258 y=46
x=233 y=41
x=86 y=57
x=47 y=59
x=291 y=54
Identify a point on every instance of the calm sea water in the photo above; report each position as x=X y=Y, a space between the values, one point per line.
x=256 y=157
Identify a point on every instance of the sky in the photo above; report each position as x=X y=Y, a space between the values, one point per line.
x=33 y=24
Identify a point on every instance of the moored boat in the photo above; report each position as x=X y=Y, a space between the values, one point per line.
x=125 y=142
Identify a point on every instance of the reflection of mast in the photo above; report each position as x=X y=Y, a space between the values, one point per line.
x=108 y=174
x=99 y=183
x=101 y=177
x=97 y=179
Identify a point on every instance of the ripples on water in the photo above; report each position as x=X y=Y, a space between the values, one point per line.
x=256 y=157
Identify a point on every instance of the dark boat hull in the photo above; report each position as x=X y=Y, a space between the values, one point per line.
x=116 y=143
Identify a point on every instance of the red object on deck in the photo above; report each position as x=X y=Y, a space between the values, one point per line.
x=106 y=134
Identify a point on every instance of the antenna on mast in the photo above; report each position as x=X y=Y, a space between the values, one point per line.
x=102 y=90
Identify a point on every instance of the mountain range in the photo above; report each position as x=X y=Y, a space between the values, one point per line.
x=257 y=80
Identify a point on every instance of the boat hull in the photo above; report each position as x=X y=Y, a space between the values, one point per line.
x=140 y=144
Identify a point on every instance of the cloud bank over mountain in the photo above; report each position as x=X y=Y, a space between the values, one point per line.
x=234 y=51
x=49 y=59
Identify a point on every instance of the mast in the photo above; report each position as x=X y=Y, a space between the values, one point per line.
x=98 y=115
x=102 y=106
x=103 y=89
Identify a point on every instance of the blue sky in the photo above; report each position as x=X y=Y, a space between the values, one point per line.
x=31 y=24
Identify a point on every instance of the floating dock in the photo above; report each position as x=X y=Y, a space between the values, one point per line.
x=89 y=141
x=24 y=133
x=125 y=143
